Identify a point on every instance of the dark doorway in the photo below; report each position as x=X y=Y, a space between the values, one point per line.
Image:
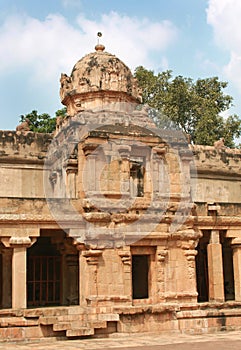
x=228 y=275
x=202 y=268
x=44 y=274
x=140 y=276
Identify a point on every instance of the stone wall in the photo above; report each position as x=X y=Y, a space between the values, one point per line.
x=216 y=175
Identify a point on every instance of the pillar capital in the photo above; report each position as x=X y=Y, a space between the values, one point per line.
x=14 y=242
x=236 y=242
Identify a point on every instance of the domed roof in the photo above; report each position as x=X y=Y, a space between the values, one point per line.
x=98 y=72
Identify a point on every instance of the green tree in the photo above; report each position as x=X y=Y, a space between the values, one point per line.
x=42 y=123
x=194 y=107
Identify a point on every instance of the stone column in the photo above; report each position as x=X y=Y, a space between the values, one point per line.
x=236 y=245
x=6 y=278
x=19 y=279
x=215 y=268
x=19 y=245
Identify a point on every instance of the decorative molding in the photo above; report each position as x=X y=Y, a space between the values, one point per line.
x=125 y=256
x=162 y=255
x=16 y=242
x=92 y=256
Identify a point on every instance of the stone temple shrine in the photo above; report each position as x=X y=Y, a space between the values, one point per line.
x=112 y=225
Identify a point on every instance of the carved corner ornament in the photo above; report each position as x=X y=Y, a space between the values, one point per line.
x=162 y=255
x=92 y=256
x=125 y=256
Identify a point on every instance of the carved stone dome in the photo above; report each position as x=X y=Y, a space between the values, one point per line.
x=99 y=79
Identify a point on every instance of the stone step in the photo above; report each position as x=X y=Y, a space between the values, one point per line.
x=97 y=324
x=61 y=326
x=48 y=320
x=17 y=322
x=79 y=332
x=108 y=317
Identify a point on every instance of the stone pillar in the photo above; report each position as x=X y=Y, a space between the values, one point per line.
x=215 y=268
x=19 y=245
x=236 y=245
x=19 y=279
x=6 y=278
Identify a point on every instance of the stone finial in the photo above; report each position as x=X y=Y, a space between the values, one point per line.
x=24 y=126
x=99 y=47
x=99 y=79
x=219 y=144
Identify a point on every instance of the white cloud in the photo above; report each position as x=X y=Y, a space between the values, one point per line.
x=34 y=52
x=53 y=45
x=43 y=46
x=131 y=39
x=224 y=16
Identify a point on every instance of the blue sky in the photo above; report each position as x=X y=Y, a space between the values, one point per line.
x=41 y=39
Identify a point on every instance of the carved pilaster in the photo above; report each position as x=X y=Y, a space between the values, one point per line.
x=160 y=173
x=161 y=257
x=125 y=255
x=92 y=257
x=71 y=171
x=124 y=152
x=190 y=252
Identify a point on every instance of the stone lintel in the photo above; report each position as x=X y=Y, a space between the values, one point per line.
x=19 y=232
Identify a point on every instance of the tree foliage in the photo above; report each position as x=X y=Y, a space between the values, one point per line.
x=42 y=123
x=178 y=102
x=194 y=107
